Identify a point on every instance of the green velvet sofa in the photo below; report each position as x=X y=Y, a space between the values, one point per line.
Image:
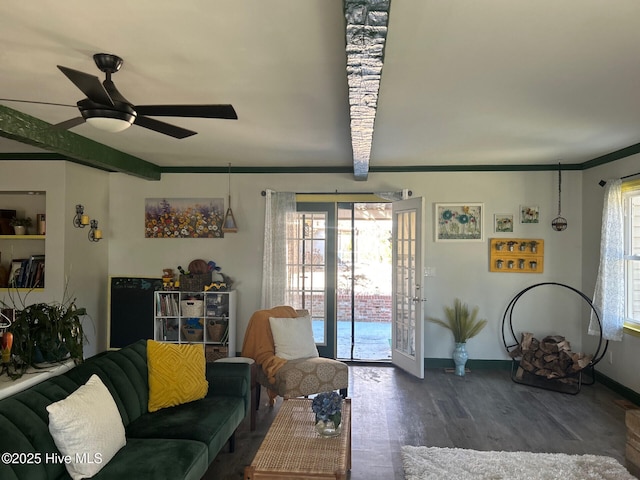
x=173 y=443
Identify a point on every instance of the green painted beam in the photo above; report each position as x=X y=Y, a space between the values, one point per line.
x=24 y=128
x=382 y=169
x=476 y=168
x=32 y=156
x=265 y=170
x=613 y=156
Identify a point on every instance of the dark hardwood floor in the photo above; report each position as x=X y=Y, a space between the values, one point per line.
x=483 y=410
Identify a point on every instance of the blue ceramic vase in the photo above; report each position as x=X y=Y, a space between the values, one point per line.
x=460 y=357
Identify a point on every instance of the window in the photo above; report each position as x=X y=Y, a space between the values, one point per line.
x=631 y=200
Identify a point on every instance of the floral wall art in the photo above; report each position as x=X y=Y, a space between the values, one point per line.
x=503 y=222
x=183 y=217
x=529 y=214
x=459 y=221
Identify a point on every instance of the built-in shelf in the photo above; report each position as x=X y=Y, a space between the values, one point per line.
x=13 y=289
x=23 y=237
x=26 y=252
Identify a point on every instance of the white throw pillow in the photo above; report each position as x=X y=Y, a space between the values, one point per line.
x=293 y=337
x=87 y=427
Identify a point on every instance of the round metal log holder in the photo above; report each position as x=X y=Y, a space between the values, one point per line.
x=555 y=384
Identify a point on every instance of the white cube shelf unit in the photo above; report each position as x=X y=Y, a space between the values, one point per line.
x=208 y=318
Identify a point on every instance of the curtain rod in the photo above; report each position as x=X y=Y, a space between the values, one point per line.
x=602 y=183
x=264 y=193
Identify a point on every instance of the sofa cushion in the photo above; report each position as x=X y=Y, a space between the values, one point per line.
x=293 y=337
x=177 y=374
x=157 y=459
x=124 y=373
x=87 y=426
x=211 y=420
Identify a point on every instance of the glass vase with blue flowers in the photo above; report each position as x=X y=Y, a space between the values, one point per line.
x=328 y=409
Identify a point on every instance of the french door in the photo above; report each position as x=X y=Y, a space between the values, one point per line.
x=408 y=288
x=312 y=272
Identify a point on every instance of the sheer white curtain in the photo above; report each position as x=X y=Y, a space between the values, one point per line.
x=277 y=213
x=608 y=297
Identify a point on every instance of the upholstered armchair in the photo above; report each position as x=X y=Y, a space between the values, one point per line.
x=289 y=365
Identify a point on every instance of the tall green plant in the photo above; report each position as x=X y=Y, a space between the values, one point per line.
x=461 y=321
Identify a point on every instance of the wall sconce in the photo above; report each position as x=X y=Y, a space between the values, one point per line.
x=95 y=234
x=80 y=220
x=229 y=222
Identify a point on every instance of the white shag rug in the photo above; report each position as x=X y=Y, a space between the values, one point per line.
x=434 y=463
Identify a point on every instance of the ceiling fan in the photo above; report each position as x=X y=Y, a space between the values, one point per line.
x=106 y=109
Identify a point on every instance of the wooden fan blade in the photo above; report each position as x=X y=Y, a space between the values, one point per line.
x=89 y=85
x=200 y=111
x=113 y=92
x=162 y=127
x=67 y=124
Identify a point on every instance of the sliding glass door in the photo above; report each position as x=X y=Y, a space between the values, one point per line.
x=364 y=281
x=311 y=271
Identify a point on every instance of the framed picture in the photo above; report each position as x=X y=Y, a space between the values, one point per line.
x=183 y=217
x=459 y=221
x=529 y=214
x=503 y=223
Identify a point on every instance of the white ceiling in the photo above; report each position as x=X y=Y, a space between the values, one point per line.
x=463 y=83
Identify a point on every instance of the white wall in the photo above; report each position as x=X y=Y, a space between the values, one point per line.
x=462 y=269
x=621 y=361
x=87 y=262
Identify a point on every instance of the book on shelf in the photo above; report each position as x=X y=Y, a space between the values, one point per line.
x=167 y=305
x=27 y=272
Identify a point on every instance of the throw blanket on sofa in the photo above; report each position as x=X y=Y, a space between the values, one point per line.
x=258 y=341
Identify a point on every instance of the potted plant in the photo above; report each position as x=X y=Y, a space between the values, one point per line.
x=20 y=225
x=45 y=333
x=463 y=324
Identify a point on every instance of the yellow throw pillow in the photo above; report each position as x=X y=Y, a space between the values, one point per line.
x=177 y=374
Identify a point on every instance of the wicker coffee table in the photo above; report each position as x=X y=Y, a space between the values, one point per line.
x=292 y=449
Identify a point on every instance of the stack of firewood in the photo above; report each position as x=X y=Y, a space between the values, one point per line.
x=550 y=358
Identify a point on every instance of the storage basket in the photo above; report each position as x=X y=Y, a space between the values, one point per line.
x=194 y=282
x=216 y=331
x=214 y=352
x=172 y=334
x=192 y=334
x=192 y=308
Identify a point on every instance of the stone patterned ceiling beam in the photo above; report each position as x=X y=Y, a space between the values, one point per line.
x=366 y=34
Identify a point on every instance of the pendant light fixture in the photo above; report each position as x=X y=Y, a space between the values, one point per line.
x=229 y=224
x=559 y=223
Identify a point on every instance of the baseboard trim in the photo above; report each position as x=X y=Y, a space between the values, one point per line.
x=608 y=382
x=471 y=364
x=618 y=388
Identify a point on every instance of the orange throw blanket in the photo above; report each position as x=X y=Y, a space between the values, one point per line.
x=258 y=341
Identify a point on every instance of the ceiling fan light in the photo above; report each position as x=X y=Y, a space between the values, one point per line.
x=107 y=119
x=112 y=125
